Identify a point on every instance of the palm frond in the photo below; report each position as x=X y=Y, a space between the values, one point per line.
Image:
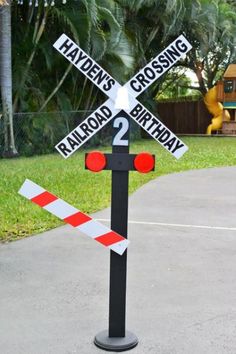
x=114 y=31
x=98 y=44
x=91 y=11
x=63 y=18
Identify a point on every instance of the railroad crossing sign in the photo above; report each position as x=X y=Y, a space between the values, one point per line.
x=135 y=86
x=121 y=106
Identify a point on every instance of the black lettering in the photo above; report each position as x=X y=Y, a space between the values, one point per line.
x=144 y=119
x=81 y=137
x=99 y=77
x=136 y=110
x=153 y=122
x=93 y=71
x=177 y=146
x=86 y=65
x=100 y=118
x=63 y=148
x=141 y=78
x=173 y=52
x=73 y=54
x=158 y=130
x=93 y=123
x=106 y=111
x=84 y=127
x=169 y=144
x=72 y=143
x=137 y=88
x=66 y=45
x=163 y=61
x=75 y=135
x=149 y=73
x=158 y=67
x=182 y=47
x=169 y=58
x=164 y=136
x=109 y=84
x=81 y=56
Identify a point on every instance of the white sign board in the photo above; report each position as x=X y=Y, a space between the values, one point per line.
x=143 y=79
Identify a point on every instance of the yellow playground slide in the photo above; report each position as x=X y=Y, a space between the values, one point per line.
x=215 y=108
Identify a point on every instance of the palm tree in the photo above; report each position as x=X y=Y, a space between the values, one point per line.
x=9 y=149
x=210 y=27
x=6 y=79
x=98 y=27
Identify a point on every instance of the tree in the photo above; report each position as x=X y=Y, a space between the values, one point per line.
x=151 y=25
x=211 y=28
x=98 y=28
x=9 y=148
x=6 y=79
x=175 y=85
x=44 y=80
x=94 y=25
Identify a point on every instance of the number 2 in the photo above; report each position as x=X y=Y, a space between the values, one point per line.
x=123 y=125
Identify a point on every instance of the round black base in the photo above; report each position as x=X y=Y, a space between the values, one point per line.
x=115 y=344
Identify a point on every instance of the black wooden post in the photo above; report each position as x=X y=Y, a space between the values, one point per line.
x=118 y=264
x=117 y=338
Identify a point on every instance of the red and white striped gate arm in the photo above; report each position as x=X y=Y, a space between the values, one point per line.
x=74 y=217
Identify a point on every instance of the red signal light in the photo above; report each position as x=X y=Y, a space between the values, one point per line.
x=95 y=161
x=144 y=162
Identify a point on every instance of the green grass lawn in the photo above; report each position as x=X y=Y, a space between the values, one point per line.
x=90 y=191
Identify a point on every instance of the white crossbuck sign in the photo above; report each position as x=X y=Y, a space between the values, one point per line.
x=134 y=87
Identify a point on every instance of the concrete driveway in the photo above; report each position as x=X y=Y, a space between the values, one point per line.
x=181 y=294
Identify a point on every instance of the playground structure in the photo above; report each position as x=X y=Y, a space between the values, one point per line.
x=224 y=114
x=216 y=109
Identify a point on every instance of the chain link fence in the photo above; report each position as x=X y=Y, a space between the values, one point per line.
x=38 y=133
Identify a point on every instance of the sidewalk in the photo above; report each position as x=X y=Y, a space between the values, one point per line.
x=181 y=293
